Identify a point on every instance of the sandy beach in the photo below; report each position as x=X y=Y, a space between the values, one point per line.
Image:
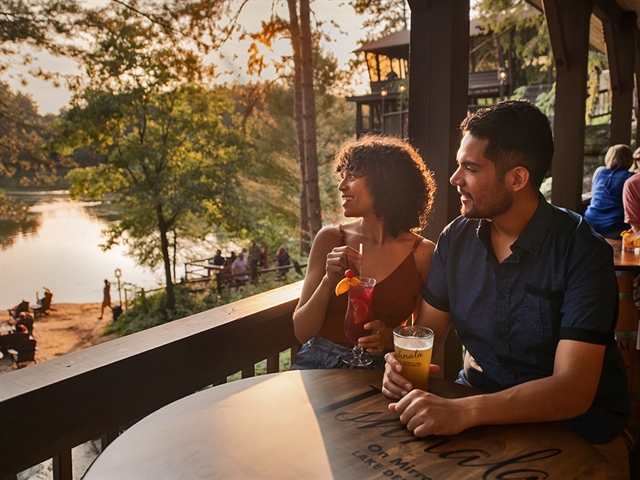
x=68 y=327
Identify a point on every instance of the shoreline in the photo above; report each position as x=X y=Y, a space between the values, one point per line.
x=69 y=327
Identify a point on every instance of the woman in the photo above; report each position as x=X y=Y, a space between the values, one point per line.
x=386 y=186
x=282 y=259
x=605 y=212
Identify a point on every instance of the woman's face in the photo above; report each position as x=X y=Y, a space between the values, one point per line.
x=356 y=197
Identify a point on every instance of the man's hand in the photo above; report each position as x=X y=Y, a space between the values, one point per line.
x=427 y=414
x=394 y=385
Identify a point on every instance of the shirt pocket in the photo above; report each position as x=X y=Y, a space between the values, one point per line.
x=546 y=306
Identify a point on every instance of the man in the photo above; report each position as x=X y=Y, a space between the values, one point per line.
x=531 y=290
x=254 y=255
x=239 y=267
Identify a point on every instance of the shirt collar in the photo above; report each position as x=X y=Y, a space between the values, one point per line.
x=533 y=235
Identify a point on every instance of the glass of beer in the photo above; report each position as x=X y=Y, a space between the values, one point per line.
x=413 y=347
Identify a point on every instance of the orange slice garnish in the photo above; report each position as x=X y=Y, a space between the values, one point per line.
x=345 y=284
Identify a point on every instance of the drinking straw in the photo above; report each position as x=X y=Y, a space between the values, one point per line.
x=361 y=275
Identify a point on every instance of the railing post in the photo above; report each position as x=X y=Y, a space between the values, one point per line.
x=63 y=466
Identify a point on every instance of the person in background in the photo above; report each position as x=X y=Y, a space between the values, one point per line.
x=532 y=293
x=264 y=257
x=23 y=306
x=605 y=212
x=636 y=161
x=47 y=293
x=218 y=259
x=239 y=267
x=106 y=297
x=282 y=259
x=255 y=251
x=386 y=187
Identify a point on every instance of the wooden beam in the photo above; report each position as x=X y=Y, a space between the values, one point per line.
x=439 y=83
x=619 y=37
x=556 y=32
x=439 y=66
x=568 y=22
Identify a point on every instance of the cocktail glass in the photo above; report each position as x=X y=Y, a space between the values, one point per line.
x=358 y=315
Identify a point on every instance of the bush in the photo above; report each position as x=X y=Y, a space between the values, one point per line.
x=148 y=310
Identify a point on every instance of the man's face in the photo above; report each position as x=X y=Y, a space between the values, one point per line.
x=482 y=195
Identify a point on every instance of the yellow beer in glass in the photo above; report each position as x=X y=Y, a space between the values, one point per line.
x=413 y=347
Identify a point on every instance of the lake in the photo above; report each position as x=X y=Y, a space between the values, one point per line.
x=58 y=248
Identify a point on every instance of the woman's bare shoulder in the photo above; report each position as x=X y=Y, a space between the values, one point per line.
x=423 y=256
x=327 y=237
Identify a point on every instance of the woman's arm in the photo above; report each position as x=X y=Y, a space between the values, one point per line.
x=326 y=266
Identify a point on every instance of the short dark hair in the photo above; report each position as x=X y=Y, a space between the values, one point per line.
x=518 y=134
x=401 y=185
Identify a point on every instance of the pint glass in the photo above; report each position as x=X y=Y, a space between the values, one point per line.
x=413 y=347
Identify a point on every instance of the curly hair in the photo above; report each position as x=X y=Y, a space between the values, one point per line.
x=401 y=185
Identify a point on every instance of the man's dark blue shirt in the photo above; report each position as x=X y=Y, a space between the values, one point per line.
x=558 y=283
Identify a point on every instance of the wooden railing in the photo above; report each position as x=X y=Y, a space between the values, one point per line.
x=49 y=408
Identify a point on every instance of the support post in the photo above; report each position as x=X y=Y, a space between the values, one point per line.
x=619 y=38
x=439 y=91
x=439 y=88
x=568 y=22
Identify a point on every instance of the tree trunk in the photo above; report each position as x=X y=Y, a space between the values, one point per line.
x=309 y=116
x=294 y=30
x=164 y=241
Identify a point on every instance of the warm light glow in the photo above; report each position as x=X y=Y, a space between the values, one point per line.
x=118 y=273
x=383 y=93
x=402 y=88
x=502 y=74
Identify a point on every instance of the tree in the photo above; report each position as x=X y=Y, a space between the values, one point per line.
x=35 y=24
x=172 y=144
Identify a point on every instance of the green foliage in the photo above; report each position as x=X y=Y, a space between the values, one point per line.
x=515 y=24
x=385 y=16
x=23 y=135
x=148 y=310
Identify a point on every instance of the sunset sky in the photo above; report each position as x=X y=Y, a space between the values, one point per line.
x=345 y=40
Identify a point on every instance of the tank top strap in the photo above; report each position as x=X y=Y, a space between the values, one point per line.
x=416 y=244
x=342 y=240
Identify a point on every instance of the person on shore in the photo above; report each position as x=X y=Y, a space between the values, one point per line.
x=531 y=291
x=386 y=186
x=23 y=306
x=605 y=212
x=106 y=298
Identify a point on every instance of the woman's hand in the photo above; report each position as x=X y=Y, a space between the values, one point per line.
x=339 y=260
x=380 y=340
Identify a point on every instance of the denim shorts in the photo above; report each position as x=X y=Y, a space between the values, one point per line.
x=320 y=353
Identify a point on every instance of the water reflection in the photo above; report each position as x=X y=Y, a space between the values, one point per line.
x=10 y=230
x=58 y=247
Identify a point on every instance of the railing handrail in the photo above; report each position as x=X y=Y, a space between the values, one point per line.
x=51 y=407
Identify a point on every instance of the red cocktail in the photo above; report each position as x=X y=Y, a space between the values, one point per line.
x=358 y=315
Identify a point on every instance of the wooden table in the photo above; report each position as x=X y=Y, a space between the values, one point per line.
x=624 y=260
x=331 y=424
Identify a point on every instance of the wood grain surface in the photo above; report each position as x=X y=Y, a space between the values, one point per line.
x=331 y=424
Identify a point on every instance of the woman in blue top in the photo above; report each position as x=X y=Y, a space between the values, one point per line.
x=605 y=212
